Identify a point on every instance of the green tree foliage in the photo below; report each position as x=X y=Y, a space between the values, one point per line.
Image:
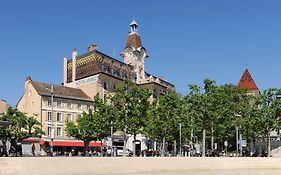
x=92 y=125
x=269 y=108
x=163 y=119
x=214 y=111
x=21 y=127
x=131 y=104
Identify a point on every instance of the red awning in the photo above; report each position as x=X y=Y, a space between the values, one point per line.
x=64 y=143
x=76 y=143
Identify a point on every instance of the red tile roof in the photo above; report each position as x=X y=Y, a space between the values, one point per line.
x=247 y=82
x=134 y=41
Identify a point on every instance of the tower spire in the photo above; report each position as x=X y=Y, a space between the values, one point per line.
x=134 y=26
x=247 y=82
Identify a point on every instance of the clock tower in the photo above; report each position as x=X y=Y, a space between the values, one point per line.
x=135 y=54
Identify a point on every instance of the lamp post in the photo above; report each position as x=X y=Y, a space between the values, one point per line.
x=52 y=119
x=180 y=140
x=111 y=133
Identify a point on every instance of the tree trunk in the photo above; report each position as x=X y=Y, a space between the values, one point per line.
x=86 y=147
x=268 y=143
x=101 y=150
x=125 y=142
x=134 y=146
x=175 y=148
x=163 y=148
x=212 y=137
x=203 y=143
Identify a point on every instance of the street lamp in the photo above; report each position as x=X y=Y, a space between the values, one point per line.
x=180 y=140
x=111 y=133
x=52 y=119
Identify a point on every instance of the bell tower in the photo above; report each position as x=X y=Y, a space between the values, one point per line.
x=134 y=53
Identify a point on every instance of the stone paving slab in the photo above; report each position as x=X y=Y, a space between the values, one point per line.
x=138 y=166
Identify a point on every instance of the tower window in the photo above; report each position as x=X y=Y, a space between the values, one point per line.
x=105 y=85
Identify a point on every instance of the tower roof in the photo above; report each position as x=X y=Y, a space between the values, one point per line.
x=134 y=41
x=247 y=82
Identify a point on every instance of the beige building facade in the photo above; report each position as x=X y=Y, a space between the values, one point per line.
x=3 y=106
x=68 y=105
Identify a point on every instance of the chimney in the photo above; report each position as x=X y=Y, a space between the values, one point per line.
x=92 y=47
x=74 y=55
x=26 y=83
x=64 y=71
x=28 y=78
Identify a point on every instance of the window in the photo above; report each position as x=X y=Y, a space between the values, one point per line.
x=79 y=104
x=105 y=85
x=112 y=62
x=49 y=116
x=59 y=131
x=88 y=106
x=49 y=102
x=59 y=104
x=155 y=93
x=124 y=75
x=114 y=87
x=79 y=115
x=29 y=93
x=49 y=131
x=104 y=68
x=59 y=117
x=115 y=72
x=69 y=117
x=32 y=104
x=69 y=104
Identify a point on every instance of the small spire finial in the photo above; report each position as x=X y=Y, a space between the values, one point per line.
x=134 y=26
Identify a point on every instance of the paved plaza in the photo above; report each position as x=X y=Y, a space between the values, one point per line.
x=138 y=166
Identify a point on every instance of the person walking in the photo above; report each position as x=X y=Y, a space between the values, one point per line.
x=33 y=149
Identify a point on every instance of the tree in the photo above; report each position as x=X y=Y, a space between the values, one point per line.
x=164 y=118
x=21 y=127
x=214 y=110
x=270 y=107
x=131 y=105
x=93 y=125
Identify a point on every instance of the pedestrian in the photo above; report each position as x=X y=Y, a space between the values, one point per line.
x=33 y=149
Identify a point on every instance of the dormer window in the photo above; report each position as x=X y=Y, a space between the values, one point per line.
x=115 y=72
x=112 y=62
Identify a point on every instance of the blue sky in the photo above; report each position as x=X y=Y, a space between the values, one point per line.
x=187 y=41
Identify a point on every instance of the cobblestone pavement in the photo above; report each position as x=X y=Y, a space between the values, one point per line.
x=138 y=166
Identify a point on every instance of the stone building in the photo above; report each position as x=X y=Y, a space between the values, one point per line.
x=95 y=72
x=85 y=76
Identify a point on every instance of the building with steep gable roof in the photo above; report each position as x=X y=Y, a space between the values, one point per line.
x=247 y=82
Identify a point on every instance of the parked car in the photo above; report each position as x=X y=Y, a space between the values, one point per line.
x=120 y=152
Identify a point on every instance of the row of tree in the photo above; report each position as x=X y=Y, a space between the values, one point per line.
x=212 y=113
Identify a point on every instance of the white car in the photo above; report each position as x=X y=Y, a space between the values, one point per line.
x=120 y=152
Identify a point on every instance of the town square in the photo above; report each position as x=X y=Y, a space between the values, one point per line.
x=140 y=87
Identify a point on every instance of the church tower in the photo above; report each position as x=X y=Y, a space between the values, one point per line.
x=134 y=53
x=247 y=82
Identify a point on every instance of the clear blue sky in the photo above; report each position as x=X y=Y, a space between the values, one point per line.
x=187 y=41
